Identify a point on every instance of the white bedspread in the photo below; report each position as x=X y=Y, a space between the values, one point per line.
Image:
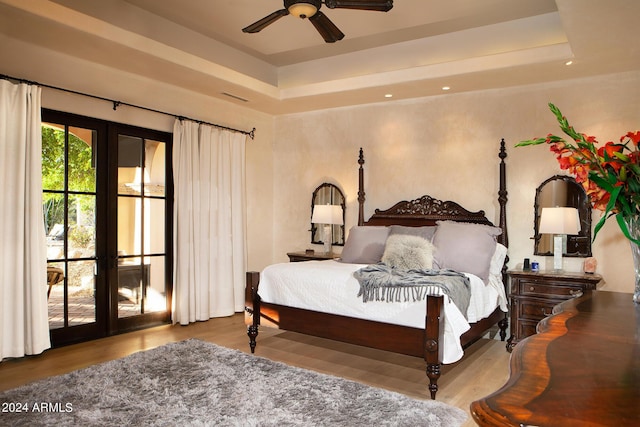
x=329 y=287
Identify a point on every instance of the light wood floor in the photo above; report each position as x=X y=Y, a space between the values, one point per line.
x=483 y=370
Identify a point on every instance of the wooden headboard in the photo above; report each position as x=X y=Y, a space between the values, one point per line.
x=426 y=210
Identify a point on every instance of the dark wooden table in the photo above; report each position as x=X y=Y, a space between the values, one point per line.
x=581 y=369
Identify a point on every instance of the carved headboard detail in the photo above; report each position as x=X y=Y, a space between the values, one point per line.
x=425 y=210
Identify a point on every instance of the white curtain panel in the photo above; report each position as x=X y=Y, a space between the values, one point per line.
x=209 y=222
x=24 y=325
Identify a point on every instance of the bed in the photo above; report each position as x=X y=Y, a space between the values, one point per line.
x=435 y=327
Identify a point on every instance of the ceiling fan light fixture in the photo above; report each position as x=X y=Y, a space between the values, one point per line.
x=303 y=9
x=311 y=9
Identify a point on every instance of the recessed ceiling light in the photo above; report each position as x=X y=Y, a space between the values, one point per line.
x=388 y=95
x=568 y=63
x=445 y=88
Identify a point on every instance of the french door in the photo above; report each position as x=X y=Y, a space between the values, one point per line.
x=107 y=202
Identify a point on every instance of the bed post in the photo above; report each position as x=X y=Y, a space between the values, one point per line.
x=361 y=189
x=502 y=195
x=433 y=351
x=252 y=306
x=504 y=237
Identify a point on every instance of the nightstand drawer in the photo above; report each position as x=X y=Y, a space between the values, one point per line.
x=548 y=290
x=535 y=310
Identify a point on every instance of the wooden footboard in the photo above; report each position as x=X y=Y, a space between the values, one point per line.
x=423 y=343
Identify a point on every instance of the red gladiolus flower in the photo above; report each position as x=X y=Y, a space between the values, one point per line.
x=558 y=148
x=633 y=136
x=610 y=148
x=606 y=153
x=599 y=197
x=581 y=173
x=567 y=162
x=590 y=139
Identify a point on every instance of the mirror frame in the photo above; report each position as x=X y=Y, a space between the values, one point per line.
x=339 y=232
x=584 y=211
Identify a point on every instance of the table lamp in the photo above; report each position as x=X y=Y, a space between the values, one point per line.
x=559 y=221
x=327 y=215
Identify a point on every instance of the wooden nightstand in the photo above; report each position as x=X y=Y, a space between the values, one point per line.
x=534 y=294
x=311 y=256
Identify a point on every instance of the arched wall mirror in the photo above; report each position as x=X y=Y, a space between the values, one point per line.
x=562 y=190
x=328 y=194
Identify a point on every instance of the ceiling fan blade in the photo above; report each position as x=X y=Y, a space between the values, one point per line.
x=379 y=5
x=327 y=29
x=267 y=20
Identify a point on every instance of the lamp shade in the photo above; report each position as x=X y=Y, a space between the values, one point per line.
x=327 y=214
x=559 y=220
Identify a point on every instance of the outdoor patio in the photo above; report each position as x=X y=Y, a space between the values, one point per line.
x=82 y=306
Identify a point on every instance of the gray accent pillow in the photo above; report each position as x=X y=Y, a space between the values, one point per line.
x=426 y=232
x=465 y=247
x=365 y=244
x=406 y=252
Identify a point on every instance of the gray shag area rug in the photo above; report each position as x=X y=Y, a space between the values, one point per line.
x=195 y=383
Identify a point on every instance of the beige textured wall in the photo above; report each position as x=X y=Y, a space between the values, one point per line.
x=447 y=147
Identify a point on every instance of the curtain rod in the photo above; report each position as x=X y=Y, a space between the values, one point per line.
x=116 y=104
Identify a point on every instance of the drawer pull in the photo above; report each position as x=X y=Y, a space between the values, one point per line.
x=544 y=312
x=575 y=294
x=531 y=288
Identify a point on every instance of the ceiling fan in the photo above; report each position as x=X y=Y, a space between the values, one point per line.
x=311 y=9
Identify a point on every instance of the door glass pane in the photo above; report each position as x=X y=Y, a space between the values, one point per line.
x=141 y=288
x=156 y=299
x=82 y=226
x=81 y=292
x=133 y=281
x=154 y=177
x=53 y=137
x=82 y=170
x=55 y=293
x=77 y=283
x=129 y=226
x=156 y=225
x=56 y=235
x=129 y=151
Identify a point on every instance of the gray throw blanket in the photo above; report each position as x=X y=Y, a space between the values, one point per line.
x=380 y=282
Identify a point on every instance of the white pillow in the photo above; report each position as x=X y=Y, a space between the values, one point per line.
x=406 y=252
x=497 y=261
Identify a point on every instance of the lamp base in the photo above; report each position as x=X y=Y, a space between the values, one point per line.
x=327 y=239
x=557 y=252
